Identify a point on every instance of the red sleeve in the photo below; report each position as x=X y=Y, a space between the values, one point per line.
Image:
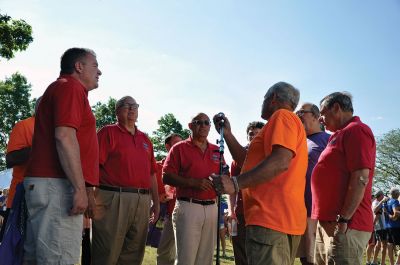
x=235 y=169
x=172 y=162
x=359 y=146
x=104 y=145
x=153 y=163
x=69 y=105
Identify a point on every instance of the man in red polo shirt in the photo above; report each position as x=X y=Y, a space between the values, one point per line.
x=127 y=185
x=187 y=167
x=341 y=182
x=63 y=159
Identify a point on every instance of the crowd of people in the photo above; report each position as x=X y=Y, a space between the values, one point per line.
x=293 y=189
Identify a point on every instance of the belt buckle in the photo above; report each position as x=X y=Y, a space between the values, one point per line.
x=120 y=189
x=141 y=191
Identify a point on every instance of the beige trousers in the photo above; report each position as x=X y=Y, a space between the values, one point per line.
x=195 y=228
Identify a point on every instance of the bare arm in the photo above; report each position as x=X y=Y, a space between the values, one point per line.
x=237 y=151
x=17 y=157
x=355 y=192
x=276 y=163
x=182 y=182
x=155 y=208
x=68 y=152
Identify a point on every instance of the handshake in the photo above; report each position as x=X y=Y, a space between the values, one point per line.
x=223 y=184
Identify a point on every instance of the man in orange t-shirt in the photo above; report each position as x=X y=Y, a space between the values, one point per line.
x=272 y=179
x=18 y=151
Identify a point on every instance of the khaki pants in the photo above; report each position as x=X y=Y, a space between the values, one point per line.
x=195 y=228
x=120 y=227
x=341 y=249
x=166 y=251
x=52 y=235
x=267 y=246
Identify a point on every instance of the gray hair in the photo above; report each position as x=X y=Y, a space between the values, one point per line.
x=121 y=102
x=342 y=98
x=285 y=93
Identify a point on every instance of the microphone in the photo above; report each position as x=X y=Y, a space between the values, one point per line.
x=221 y=117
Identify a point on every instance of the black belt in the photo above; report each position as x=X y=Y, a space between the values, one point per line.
x=206 y=202
x=124 y=189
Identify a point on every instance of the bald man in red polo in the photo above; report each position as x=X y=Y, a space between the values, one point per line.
x=187 y=167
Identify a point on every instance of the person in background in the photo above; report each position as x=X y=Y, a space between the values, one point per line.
x=18 y=153
x=236 y=202
x=317 y=140
x=166 y=251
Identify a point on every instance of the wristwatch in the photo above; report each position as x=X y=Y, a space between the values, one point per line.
x=341 y=219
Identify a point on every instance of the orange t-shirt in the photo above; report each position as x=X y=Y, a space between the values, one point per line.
x=279 y=203
x=20 y=137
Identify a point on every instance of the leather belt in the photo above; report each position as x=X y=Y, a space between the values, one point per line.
x=124 y=189
x=205 y=202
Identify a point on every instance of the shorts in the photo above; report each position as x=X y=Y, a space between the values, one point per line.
x=52 y=236
x=381 y=235
x=394 y=236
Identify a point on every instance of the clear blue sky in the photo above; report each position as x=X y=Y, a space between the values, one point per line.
x=184 y=57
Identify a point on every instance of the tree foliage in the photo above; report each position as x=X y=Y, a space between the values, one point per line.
x=15 y=105
x=167 y=124
x=387 y=169
x=105 y=113
x=15 y=35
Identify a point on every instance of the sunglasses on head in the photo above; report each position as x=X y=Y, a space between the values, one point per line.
x=200 y=122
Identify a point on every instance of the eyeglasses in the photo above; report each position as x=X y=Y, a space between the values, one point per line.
x=130 y=106
x=200 y=122
x=301 y=112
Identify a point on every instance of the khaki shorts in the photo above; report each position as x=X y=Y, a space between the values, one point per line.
x=52 y=236
x=267 y=246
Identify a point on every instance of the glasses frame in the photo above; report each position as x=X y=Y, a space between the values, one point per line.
x=201 y=122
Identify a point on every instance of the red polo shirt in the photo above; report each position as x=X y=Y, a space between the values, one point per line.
x=126 y=160
x=64 y=104
x=160 y=184
x=349 y=149
x=187 y=160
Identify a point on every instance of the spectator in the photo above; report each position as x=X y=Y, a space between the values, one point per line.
x=236 y=203
x=166 y=251
x=316 y=143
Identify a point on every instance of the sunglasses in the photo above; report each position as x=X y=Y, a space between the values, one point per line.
x=200 y=122
x=302 y=112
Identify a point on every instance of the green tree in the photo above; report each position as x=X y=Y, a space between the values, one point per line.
x=387 y=169
x=167 y=124
x=14 y=106
x=105 y=113
x=15 y=35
